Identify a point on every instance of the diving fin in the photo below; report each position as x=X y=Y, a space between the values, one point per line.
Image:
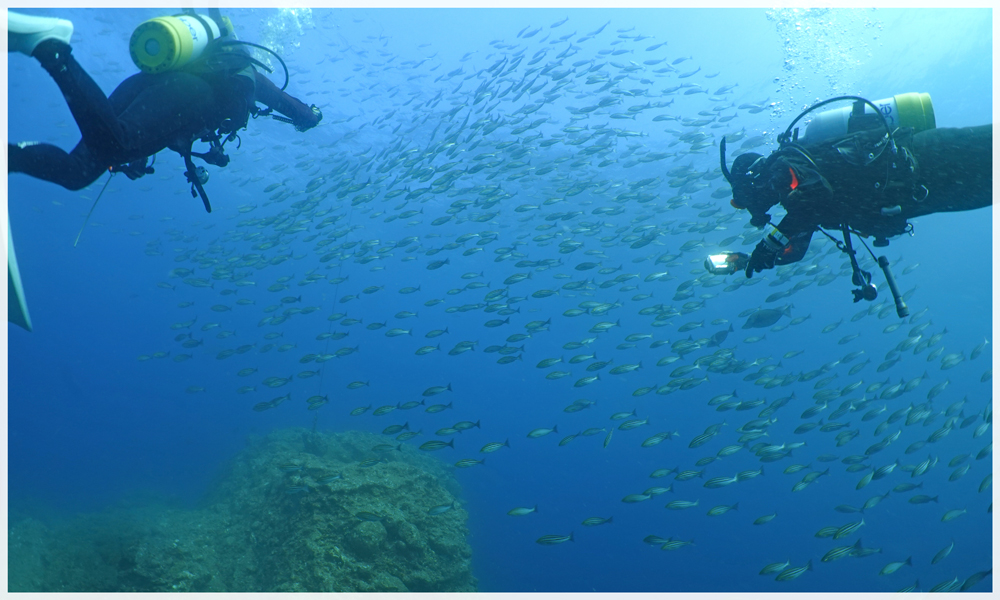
x=25 y=32
x=17 y=308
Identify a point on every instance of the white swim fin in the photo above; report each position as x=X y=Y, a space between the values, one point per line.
x=17 y=308
x=25 y=32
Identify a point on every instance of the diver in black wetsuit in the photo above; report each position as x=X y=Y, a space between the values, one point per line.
x=210 y=99
x=865 y=181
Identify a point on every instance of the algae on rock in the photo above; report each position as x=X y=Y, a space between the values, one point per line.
x=278 y=520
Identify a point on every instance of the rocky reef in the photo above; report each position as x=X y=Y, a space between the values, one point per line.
x=297 y=510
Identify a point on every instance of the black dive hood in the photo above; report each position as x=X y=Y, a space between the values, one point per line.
x=749 y=191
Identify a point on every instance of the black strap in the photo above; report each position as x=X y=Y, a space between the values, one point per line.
x=216 y=15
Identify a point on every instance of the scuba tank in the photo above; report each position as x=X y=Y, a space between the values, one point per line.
x=170 y=43
x=199 y=44
x=874 y=137
x=857 y=134
x=902 y=110
x=194 y=42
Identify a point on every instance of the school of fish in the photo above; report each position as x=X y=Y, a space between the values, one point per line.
x=571 y=176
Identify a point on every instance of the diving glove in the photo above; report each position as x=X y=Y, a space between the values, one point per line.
x=765 y=253
x=134 y=170
x=316 y=113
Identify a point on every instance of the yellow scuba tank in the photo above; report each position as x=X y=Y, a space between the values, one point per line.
x=903 y=110
x=169 y=43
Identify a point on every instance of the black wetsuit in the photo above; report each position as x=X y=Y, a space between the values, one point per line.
x=953 y=172
x=145 y=114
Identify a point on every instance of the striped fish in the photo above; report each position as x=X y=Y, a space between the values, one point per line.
x=552 y=540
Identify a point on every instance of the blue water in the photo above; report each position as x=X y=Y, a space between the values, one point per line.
x=90 y=424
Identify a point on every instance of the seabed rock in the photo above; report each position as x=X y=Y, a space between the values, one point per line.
x=268 y=525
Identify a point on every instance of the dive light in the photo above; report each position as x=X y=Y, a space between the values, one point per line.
x=726 y=263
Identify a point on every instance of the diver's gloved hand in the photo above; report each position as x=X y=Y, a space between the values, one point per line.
x=134 y=170
x=762 y=257
x=317 y=116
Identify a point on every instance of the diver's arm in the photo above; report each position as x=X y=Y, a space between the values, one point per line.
x=792 y=236
x=809 y=194
x=805 y=193
x=786 y=243
x=304 y=117
x=795 y=249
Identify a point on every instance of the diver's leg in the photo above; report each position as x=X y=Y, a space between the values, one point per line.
x=91 y=109
x=153 y=114
x=143 y=114
x=73 y=171
x=956 y=166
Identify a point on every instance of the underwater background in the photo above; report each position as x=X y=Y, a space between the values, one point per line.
x=320 y=234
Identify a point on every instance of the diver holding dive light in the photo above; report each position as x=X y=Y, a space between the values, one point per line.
x=197 y=82
x=864 y=170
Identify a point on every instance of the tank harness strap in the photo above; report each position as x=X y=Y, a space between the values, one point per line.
x=902 y=167
x=216 y=15
x=910 y=170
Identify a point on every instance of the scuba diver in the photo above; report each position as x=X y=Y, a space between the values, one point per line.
x=197 y=82
x=865 y=169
